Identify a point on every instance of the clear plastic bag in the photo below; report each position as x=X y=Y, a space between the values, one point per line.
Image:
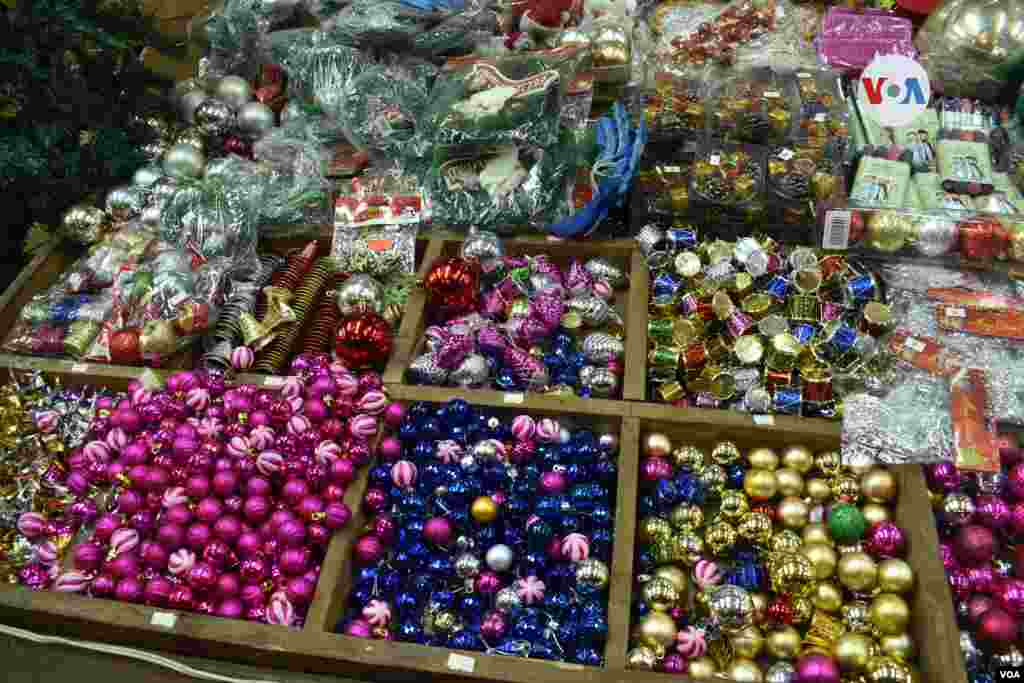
x=236 y=32
x=379 y=251
x=850 y=38
x=382 y=110
x=511 y=100
x=383 y=24
x=754 y=106
x=212 y=218
x=458 y=34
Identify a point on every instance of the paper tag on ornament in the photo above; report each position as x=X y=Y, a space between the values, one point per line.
x=461 y=663
x=772 y=94
x=164 y=619
x=786 y=154
x=924 y=353
x=803 y=74
x=80 y=367
x=715 y=159
x=379 y=245
x=514 y=398
x=764 y=420
x=273 y=382
x=821 y=117
x=974 y=439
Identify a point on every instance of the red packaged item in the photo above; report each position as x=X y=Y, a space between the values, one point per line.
x=974 y=439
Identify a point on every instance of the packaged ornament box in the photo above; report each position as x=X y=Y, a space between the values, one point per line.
x=532 y=316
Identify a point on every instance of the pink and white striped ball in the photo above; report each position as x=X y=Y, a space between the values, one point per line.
x=373 y=402
x=706 y=573
x=327 y=452
x=362 y=426
x=690 y=642
x=523 y=427
x=242 y=358
x=548 y=430
x=117 y=439
x=299 y=424
x=262 y=437
x=97 y=451
x=181 y=561
x=269 y=462
x=198 y=399
x=575 y=547
x=72 y=582
x=122 y=541
x=46 y=421
x=175 y=495
x=280 y=611
x=403 y=474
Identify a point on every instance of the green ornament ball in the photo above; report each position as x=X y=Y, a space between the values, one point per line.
x=846 y=523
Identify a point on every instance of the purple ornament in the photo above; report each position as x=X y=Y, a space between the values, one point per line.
x=655 y=468
x=817 y=668
x=438 y=530
x=885 y=539
x=369 y=550
x=129 y=589
x=359 y=628
x=943 y=477
x=992 y=511
x=494 y=626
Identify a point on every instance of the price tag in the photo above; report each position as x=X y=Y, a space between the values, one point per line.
x=164 y=619
x=671 y=169
x=772 y=93
x=461 y=663
x=764 y=420
x=273 y=381
x=821 y=117
x=379 y=245
x=956 y=312
x=837 y=230
x=80 y=367
x=786 y=154
x=914 y=345
x=803 y=74
x=515 y=399
x=715 y=160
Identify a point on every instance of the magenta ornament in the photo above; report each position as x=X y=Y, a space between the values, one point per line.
x=817 y=668
x=886 y=540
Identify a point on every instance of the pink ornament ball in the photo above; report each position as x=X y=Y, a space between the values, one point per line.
x=336 y=515
x=209 y=510
x=1015 y=524
x=369 y=550
x=124 y=565
x=242 y=358
x=253 y=569
x=655 y=468
x=885 y=539
x=103 y=586
x=106 y=525
x=291 y=533
x=342 y=471
x=316 y=410
x=231 y=608
x=154 y=555
x=992 y=511
x=228 y=585
x=975 y=545
x=997 y=628
x=390 y=449
x=294 y=490
x=87 y=557
x=977 y=605
x=375 y=500
x=72 y=582
x=249 y=544
x=300 y=591
x=553 y=483
x=403 y=474
x=129 y=589
x=33 y=524
x=385 y=528
x=494 y=626
x=438 y=530
x=1010 y=596
x=170 y=535
x=182 y=598
x=817 y=668
x=129 y=502
x=198 y=535
x=157 y=591
x=310 y=507
x=256 y=509
x=394 y=414
x=488 y=583
x=258 y=486
x=359 y=628
x=228 y=529
x=202 y=576
x=224 y=483
x=197 y=486
x=673 y=664
x=1015 y=481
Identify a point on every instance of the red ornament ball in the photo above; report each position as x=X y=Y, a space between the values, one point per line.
x=975 y=545
x=780 y=611
x=363 y=340
x=452 y=286
x=124 y=347
x=997 y=629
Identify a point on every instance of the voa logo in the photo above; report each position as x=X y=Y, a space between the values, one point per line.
x=893 y=90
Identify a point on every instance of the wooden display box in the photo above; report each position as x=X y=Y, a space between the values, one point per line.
x=56 y=257
x=316 y=648
x=631 y=303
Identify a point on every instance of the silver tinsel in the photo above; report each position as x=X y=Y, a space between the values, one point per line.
x=599 y=347
x=594 y=310
x=507 y=599
x=482 y=246
x=601 y=381
x=602 y=269
x=472 y=372
x=214 y=117
x=425 y=370
x=467 y=566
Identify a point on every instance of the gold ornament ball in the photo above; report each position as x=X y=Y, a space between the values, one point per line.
x=748 y=643
x=823 y=559
x=883 y=669
x=791 y=574
x=875 y=513
x=763 y=459
x=687 y=548
x=895 y=576
x=846 y=488
x=702 y=667
x=853 y=650
x=857 y=616
x=686 y=516
x=654 y=529
x=676 y=576
x=732 y=607
x=793 y=513
x=783 y=643
x=744 y=670
x=484 y=510
x=657 y=630
x=803 y=610
x=786 y=541
x=829 y=462
x=857 y=571
x=760 y=485
x=725 y=453
x=827 y=597
x=720 y=537
x=879 y=485
x=860 y=466
x=661 y=594
x=642 y=658
x=714 y=478
x=689 y=457
x=816 y=532
x=445 y=622
x=593 y=573
x=734 y=505
x=798 y=458
x=789 y=482
x=755 y=527
x=818 y=489
x=900 y=646
x=890 y=614
x=657 y=444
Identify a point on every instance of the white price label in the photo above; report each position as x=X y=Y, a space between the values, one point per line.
x=462 y=663
x=772 y=93
x=956 y=312
x=914 y=345
x=164 y=619
x=273 y=382
x=513 y=398
x=837 y=230
x=671 y=169
x=80 y=367
x=821 y=117
x=803 y=74
x=764 y=420
x=715 y=160
x=786 y=154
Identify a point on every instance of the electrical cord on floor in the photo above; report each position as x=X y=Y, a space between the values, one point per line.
x=131 y=653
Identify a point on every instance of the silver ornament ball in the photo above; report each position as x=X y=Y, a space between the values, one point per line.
x=467 y=566
x=146 y=176
x=464 y=544
x=601 y=381
x=482 y=246
x=189 y=102
x=124 y=203
x=425 y=370
x=233 y=91
x=602 y=269
x=150 y=217
x=184 y=161
x=486 y=450
x=601 y=347
x=214 y=118
x=507 y=600
x=360 y=294
x=780 y=672
x=255 y=118
x=468 y=463
x=472 y=371
x=499 y=557
x=83 y=224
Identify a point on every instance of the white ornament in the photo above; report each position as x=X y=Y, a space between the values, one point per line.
x=499 y=557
